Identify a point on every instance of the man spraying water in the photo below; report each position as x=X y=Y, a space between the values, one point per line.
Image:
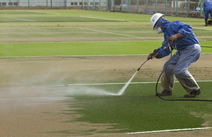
x=183 y=40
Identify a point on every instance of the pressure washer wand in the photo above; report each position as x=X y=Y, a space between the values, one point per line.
x=142 y=65
x=148 y=59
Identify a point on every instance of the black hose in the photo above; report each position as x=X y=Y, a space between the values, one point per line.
x=156 y=86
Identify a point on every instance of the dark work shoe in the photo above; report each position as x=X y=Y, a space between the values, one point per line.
x=192 y=94
x=164 y=93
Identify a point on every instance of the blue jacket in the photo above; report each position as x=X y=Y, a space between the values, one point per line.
x=207 y=6
x=171 y=28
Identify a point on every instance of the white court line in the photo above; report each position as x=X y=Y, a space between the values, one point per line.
x=20 y=19
x=169 y=130
x=121 y=83
x=101 y=18
x=208 y=29
x=111 y=32
x=99 y=84
x=44 y=12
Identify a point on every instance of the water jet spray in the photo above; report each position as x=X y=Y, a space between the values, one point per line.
x=129 y=81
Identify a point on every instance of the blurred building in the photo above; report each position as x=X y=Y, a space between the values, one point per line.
x=51 y=3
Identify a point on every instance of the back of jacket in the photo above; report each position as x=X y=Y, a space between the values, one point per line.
x=173 y=28
x=189 y=37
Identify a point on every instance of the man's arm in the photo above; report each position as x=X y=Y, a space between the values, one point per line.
x=173 y=38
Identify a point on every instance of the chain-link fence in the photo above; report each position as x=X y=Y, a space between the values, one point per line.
x=169 y=7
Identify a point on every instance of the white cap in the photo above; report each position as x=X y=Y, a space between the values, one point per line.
x=154 y=19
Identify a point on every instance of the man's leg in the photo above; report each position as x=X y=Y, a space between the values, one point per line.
x=188 y=83
x=210 y=20
x=206 y=22
x=188 y=56
x=206 y=18
x=167 y=78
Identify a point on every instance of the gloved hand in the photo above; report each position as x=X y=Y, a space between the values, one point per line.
x=154 y=54
x=150 y=56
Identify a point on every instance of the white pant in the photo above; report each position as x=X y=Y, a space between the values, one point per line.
x=178 y=65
